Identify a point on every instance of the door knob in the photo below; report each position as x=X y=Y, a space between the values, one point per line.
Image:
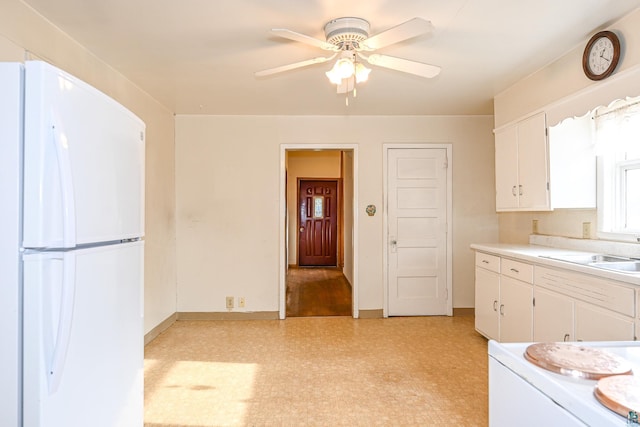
x=394 y=244
x=301 y=229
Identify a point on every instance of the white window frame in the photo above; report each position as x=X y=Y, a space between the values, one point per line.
x=611 y=200
x=622 y=172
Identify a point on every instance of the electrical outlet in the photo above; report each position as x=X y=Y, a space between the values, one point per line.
x=586 y=230
x=534 y=226
x=229 y=302
x=241 y=302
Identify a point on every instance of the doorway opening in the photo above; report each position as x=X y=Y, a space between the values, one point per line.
x=325 y=283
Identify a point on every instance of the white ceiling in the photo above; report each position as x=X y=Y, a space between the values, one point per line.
x=199 y=56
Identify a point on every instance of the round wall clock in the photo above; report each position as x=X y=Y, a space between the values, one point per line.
x=601 y=55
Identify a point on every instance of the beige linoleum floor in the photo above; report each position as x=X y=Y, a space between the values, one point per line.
x=318 y=371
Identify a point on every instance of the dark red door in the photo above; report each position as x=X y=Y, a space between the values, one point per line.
x=318 y=219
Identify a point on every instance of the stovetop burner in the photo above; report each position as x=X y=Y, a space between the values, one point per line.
x=621 y=394
x=577 y=361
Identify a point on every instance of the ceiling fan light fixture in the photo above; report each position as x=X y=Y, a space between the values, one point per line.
x=333 y=78
x=362 y=73
x=342 y=69
x=347 y=38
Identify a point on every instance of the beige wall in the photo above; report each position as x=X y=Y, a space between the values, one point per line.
x=25 y=34
x=556 y=82
x=564 y=76
x=227 y=184
x=515 y=227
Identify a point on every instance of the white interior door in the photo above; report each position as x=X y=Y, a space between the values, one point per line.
x=417 y=231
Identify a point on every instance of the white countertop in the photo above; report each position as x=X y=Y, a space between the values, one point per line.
x=573 y=394
x=535 y=254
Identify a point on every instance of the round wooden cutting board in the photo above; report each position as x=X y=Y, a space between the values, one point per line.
x=620 y=393
x=576 y=361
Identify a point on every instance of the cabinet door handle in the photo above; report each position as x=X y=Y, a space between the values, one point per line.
x=515 y=270
x=502 y=309
x=520 y=188
x=513 y=190
x=495 y=305
x=484 y=261
x=566 y=337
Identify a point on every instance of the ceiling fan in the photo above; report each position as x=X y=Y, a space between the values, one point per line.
x=348 y=38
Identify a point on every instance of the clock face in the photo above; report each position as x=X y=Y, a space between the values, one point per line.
x=601 y=56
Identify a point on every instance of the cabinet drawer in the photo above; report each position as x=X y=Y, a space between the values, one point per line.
x=517 y=270
x=598 y=291
x=488 y=262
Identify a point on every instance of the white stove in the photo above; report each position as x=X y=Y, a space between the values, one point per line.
x=524 y=394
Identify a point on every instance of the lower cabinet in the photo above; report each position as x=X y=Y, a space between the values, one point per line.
x=516 y=313
x=486 y=303
x=598 y=324
x=503 y=300
x=520 y=302
x=571 y=306
x=553 y=316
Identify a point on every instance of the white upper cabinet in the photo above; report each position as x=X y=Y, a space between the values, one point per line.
x=522 y=166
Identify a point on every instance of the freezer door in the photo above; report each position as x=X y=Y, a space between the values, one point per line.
x=83 y=163
x=83 y=337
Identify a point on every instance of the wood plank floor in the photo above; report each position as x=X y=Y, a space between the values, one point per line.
x=318 y=291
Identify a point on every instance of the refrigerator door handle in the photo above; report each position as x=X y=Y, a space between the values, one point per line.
x=66 y=185
x=63 y=335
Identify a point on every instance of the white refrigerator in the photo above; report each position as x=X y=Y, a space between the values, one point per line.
x=71 y=253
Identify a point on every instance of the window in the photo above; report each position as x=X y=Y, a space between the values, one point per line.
x=617 y=144
x=318 y=207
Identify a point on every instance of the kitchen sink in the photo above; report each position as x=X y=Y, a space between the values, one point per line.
x=607 y=262
x=624 y=266
x=589 y=258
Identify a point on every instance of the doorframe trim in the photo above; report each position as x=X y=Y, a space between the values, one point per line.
x=282 y=226
x=385 y=220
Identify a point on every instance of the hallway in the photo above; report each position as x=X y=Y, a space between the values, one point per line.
x=317 y=291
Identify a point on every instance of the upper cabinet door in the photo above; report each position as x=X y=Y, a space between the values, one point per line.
x=507 y=168
x=522 y=166
x=83 y=163
x=533 y=163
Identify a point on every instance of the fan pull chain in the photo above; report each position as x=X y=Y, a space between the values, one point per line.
x=355 y=93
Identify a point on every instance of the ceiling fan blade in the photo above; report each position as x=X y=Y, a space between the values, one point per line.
x=282 y=68
x=412 y=28
x=292 y=35
x=412 y=67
